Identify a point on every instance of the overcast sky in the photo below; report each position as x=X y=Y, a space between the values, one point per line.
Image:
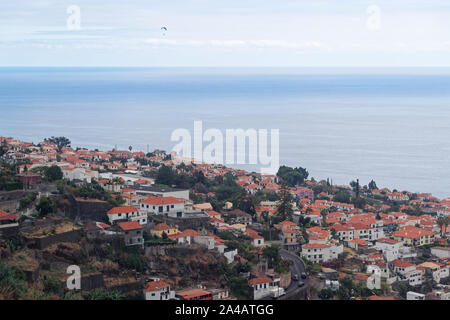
x=225 y=33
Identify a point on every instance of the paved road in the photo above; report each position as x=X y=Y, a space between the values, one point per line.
x=297 y=268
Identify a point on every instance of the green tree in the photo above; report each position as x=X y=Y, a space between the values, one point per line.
x=272 y=253
x=240 y=288
x=324 y=213
x=292 y=176
x=342 y=196
x=45 y=206
x=53 y=173
x=11 y=281
x=372 y=185
x=165 y=176
x=326 y=294
x=443 y=222
x=284 y=207
x=61 y=142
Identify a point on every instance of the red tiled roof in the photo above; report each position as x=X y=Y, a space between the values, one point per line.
x=260 y=280
x=130 y=225
x=287 y=223
x=380 y=298
x=122 y=209
x=162 y=226
x=411 y=232
x=8 y=216
x=315 y=246
x=103 y=225
x=156 y=285
x=185 y=233
x=162 y=200
x=401 y=264
x=189 y=294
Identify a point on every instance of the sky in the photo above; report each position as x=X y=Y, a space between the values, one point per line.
x=239 y=33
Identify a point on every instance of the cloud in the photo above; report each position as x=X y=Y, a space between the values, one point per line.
x=235 y=43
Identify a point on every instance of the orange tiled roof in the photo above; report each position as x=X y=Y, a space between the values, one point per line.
x=122 y=209
x=259 y=280
x=156 y=285
x=162 y=200
x=130 y=225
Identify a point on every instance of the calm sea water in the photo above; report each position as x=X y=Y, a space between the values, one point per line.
x=392 y=126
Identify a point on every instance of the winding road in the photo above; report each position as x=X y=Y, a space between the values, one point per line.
x=297 y=268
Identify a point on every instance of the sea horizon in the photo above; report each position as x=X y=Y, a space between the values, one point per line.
x=339 y=123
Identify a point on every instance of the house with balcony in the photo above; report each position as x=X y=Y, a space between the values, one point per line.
x=168 y=206
x=413 y=236
x=158 y=290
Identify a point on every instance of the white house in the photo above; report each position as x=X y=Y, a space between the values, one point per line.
x=170 y=206
x=407 y=272
x=257 y=240
x=126 y=213
x=158 y=290
x=262 y=287
x=319 y=252
x=81 y=174
x=441 y=252
x=389 y=247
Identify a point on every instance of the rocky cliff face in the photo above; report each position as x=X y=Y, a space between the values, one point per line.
x=186 y=266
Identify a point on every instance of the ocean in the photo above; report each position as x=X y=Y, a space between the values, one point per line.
x=389 y=125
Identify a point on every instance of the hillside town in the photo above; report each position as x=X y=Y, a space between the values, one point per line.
x=157 y=226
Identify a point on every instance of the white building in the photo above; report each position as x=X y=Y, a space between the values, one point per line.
x=319 y=252
x=170 y=206
x=163 y=192
x=407 y=272
x=441 y=252
x=81 y=174
x=158 y=290
x=262 y=287
x=389 y=247
x=126 y=213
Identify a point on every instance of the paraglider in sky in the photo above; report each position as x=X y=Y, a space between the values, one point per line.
x=164 y=29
